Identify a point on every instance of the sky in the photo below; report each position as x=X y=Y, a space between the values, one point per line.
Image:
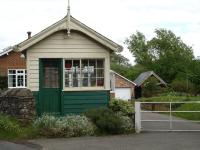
x=115 y=19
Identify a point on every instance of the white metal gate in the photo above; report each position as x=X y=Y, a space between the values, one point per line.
x=170 y=119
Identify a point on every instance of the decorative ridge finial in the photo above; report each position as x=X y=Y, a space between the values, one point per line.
x=68 y=18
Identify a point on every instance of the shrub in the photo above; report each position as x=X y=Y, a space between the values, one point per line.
x=46 y=121
x=3 y=82
x=127 y=124
x=109 y=122
x=151 y=88
x=68 y=126
x=9 y=125
x=125 y=107
x=76 y=125
x=184 y=86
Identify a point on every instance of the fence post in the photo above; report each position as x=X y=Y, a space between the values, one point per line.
x=137 y=117
x=170 y=115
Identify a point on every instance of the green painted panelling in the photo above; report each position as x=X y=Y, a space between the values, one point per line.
x=36 y=95
x=80 y=101
x=101 y=97
x=84 y=106
x=85 y=101
x=85 y=93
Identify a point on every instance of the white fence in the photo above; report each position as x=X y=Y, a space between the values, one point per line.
x=170 y=120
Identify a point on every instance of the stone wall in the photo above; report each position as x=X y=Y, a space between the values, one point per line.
x=18 y=103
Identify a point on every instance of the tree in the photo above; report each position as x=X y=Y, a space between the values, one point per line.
x=121 y=65
x=165 y=53
x=119 y=59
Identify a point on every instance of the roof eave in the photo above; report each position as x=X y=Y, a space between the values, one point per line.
x=123 y=77
x=60 y=25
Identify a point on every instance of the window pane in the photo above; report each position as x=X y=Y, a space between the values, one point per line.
x=92 y=62
x=68 y=78
x=17 y=78
x=93 y=82
x=90 y=74
x=100 y=63
x=20 y=71
x=76 y=63
x=93 y=74
x=12 y=72
x=84 y=63
x=100 y=81
x=68 y=73
x=68 y=64
x=76 y=73
x=25 y=80
x=84 y=72
x=20 y=80
x=85 y=82
x=72 y=73
x=100 y=72
x=12 y=80
x=51 y=74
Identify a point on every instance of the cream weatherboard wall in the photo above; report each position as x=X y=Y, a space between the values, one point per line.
x=58 y=45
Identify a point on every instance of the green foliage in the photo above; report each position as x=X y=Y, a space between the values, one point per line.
x=194 y=75
x=188 y=107
x=68 y=126
x=120 y=60
x=127 y=123
x=124 y=107
x=179 y=107
x=171 y=97
x=184 y=86
x=151 y=88
x=9 y=127
x=166 y=54
x=138 y=46
x=131 y=72
x=106 y=121
x=3 y=82
x=8 y=124
x=76 y=125
x=46 y=121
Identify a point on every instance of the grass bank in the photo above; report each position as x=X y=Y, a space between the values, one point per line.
x=179 y=107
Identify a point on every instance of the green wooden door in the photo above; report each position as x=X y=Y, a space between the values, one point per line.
x=50 y=86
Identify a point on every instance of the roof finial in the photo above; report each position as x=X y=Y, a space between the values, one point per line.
x=68 y=18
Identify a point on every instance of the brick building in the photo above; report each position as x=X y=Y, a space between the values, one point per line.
x=11 y=60
x=121 y=87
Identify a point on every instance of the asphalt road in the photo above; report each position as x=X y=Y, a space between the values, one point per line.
x=5 y=145
x=144 y=141
x=181 y=124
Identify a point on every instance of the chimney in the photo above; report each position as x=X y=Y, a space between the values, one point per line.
x=29 y=34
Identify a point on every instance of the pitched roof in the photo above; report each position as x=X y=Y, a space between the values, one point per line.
x=6 y=51
x=74 y=25
x=145 y=75
x=111 y=71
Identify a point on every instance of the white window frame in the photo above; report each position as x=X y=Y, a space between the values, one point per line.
x=24 y=74
x=82 y=87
